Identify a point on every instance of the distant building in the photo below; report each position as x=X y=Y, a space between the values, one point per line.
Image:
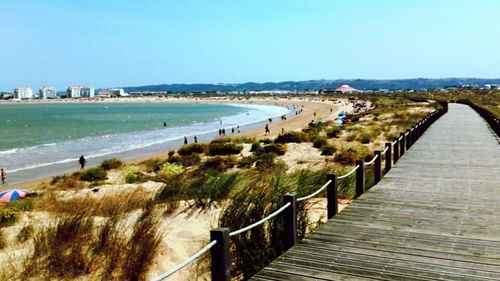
x=344 y=89
x=80 y=92
x=47 y=93
x=111 y=92
x=23 y=93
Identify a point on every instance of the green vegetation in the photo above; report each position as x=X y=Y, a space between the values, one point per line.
x=135 y=177
x=327 y=150
x=223 y=146
x=319 y=142
x=189 y=149
x=112 y=163
x=296 y=137
x=94 y=174
x=277 y=148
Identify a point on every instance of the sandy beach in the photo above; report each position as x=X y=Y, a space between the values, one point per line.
x=310 y=106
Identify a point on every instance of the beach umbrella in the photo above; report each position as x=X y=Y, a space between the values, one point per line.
x=12 y=195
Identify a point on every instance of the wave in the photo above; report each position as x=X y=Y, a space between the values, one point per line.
x=100 y=146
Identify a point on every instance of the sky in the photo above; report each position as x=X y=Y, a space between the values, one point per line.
x=131 y=43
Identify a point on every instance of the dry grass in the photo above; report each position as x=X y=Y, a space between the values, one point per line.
x=77 y=245
x=106 y=206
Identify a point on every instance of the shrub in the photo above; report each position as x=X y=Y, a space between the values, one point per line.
x=171 y=153
x=174 y=159
x=94 y=174
x=350 y=137
x=247 y=161
x=24 y=204
x=265 y=160
x=172 y=189
x=320 y=142
x=220 y=163
x=312 y=133
x=278 y=148
x=243 y=139
x=135 y=177
x=348 y=155
x=169 y=170
x=266 y=141
x=214 y=188
x=189 y=149
x=327 y=150
x=223 y=148
x=190 y=160
x=364 y=138
x=256 y=146
x=297 y=137
x=333 y=132
x=112 y=163
x=65 y=181
x=153 y=165
x=8 y=216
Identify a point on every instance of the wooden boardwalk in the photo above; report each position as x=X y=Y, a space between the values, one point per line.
x=434 y=216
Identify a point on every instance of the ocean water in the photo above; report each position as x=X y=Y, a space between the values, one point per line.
x=39 y=138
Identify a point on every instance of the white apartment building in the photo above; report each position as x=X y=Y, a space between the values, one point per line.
x=117 y=92
x=23 y=93
x=47 y=93
x=111 y=92
x=80 y=92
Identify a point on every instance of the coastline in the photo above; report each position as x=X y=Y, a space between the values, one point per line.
x=293 y=122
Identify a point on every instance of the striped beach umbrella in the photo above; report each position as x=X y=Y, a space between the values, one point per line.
x=12 y=195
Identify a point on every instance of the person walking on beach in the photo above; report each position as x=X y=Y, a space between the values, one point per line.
x=82 y=162
x=238 y=129
x=195 y=139
x=4 y=176
x=232 y=130
x=185 y=140
x=267 y=129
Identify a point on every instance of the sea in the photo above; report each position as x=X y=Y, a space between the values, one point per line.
x=40 y=140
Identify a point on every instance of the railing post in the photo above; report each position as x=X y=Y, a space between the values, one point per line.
x=388 y=157
x=408 y=139
x=377 y=168
x=360 y=178
x=290 y=221
x=402 y=144
x=396 y=151
x=332 y=196
x=221 y=256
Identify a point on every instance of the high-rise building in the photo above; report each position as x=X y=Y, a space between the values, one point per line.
x=80 y=92
x=23 y=93
x=47 y=93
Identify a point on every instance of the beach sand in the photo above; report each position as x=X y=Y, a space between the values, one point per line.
x=293 y=122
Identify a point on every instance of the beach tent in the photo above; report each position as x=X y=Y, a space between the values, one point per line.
x=12 y=195
x=338 y=121
x=344 y=89
x=342 y=114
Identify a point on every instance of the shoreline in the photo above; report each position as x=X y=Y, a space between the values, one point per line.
x=293 y=122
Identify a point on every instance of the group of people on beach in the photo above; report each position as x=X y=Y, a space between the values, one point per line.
x=222 y=132
x=186 y=139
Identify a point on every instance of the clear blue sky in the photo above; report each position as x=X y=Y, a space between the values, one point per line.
x=125 y=43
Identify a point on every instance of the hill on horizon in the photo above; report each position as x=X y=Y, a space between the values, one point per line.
x=361 y=84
